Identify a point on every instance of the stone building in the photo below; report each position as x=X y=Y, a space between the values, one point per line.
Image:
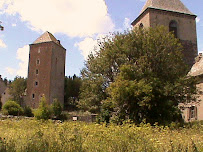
x=194 y=111
x=2 y=88
x=46 y=70
x=177 y=18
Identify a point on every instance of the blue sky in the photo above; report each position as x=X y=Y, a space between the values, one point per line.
x=76 y=23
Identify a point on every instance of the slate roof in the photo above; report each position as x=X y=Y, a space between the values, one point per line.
x=197 y=68
x=169 y=5
x=47 y=37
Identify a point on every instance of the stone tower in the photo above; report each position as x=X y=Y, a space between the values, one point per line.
x=46 y=70
x=177 y=18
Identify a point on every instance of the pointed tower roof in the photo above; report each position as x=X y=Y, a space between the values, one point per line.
x=168 y=5
x=47 y=37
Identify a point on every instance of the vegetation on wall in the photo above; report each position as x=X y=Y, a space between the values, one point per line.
x=138 y=75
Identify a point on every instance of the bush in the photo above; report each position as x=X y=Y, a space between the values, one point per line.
x=28 y=111
x=56 y=108
x=12 y=108
x=43 y=112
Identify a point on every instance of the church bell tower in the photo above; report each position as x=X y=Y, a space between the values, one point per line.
x=177 y=18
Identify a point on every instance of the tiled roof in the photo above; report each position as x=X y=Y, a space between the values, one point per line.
x=46 y=37
x=169 y=5
x=197 y=68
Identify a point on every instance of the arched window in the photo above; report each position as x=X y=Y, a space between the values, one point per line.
x=173 y=27
x=141 y=26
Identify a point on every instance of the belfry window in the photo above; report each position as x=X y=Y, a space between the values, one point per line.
x=173 y=27
x=141 y=26
x=37 y=71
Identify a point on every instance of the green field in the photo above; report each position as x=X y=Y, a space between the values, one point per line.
x=49 y=136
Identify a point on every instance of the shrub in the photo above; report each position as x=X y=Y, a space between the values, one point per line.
x=28 y=111
x=56 y=108
x=12 y=108
x=43 y=112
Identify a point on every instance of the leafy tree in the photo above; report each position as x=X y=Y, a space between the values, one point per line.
x=141 y=73
x=12 y=108
x=27 y=111
x=56 y=108
x=17 y=89
x=43 y=111
x=72 y=88
x=6 y=81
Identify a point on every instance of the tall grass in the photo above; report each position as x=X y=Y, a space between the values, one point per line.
x=39 y=136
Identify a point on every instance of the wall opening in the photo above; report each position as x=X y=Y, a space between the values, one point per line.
x=173 y=27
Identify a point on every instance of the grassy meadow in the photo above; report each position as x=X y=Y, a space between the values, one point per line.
x=38 y=136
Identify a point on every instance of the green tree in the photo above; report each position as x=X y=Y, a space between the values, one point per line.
x=72 y=88
x=142 y=73
x=56 y=108
x=43 y=111
x=12 y=108
x=17 y=89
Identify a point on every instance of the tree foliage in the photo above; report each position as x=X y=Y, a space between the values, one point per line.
x=141 y=73
x=72 y=88
x=17 y=89
x=56 y=108
x=12 y=108
x=43 y=111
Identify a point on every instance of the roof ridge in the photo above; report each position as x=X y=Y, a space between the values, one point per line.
x=169 y=5
x=45 y=37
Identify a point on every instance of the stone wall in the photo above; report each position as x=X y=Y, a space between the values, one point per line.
x=46 y=68
x=186 y=29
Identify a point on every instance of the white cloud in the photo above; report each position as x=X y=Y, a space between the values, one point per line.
x=14 y=25
x=2 y=44
x=72 y=17
x=197 y=19
x=22 y=55
x=87 y=46
x=10 y=71
x=126 y=24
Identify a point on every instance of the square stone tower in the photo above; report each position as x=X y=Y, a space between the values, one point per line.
x=177 y=18
x=46 y=70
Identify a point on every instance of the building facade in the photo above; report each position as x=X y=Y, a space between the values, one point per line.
x=177 y=18
x=46 y=70
x=181 y=21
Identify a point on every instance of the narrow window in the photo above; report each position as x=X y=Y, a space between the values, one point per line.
x=33 y=96
x=36 y=83
x=193 y=112
x=39 y=50
x=38 y=61
x=37 y=71
x=173 y=27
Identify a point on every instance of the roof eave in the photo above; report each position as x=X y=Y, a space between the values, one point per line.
x=47 y=42
x=135 y=21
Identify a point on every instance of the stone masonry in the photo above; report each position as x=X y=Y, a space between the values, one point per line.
x=46 y=70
